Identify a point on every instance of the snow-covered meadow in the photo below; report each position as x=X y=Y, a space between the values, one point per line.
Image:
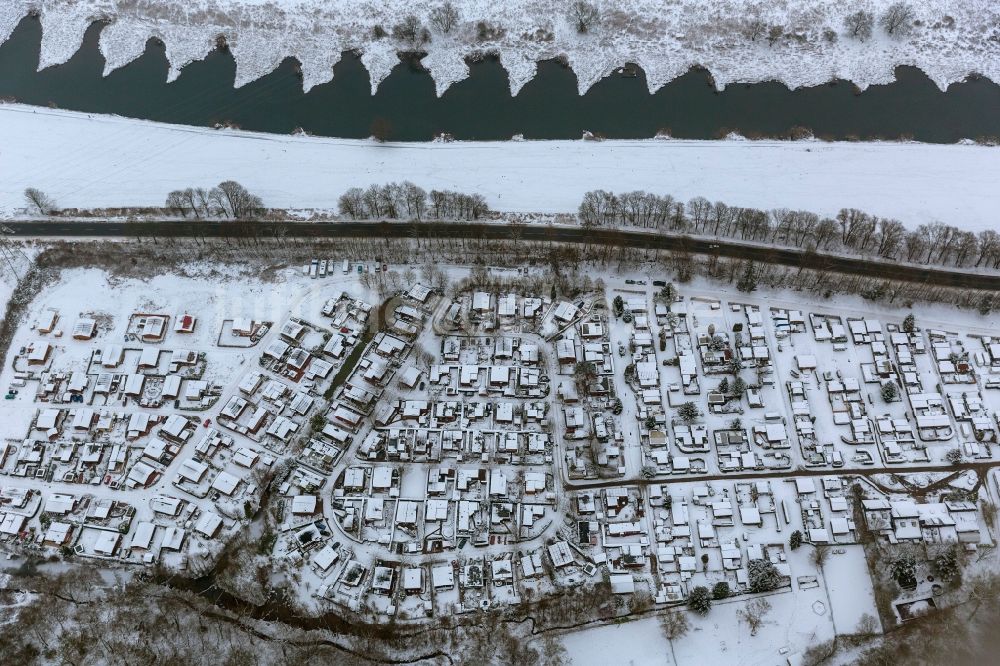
x=950 y=38
x=91 y=161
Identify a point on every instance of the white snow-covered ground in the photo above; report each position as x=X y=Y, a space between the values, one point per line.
x=796 y=621
x=88 y=161
x=950 y=38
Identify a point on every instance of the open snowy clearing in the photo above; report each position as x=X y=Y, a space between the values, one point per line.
x=949 y=38
x=797 y=620
x=86 y=161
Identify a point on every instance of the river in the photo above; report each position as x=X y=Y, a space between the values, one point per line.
x=481 y=107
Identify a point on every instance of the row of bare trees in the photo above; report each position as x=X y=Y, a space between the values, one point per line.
x=445 y=18
x=897 y=20
x=851 y=230
x=394 y=201
x=228 y=199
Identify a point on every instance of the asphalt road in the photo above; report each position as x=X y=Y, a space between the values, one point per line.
x=527 y=232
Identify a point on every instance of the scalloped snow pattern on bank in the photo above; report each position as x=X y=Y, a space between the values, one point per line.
x=93 y=161
x=953 y=38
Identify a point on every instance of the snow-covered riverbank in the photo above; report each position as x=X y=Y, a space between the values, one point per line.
x=811 y=45
x=91 y=161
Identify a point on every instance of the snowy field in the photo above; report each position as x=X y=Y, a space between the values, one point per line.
x=87 y=161
x=950 y=38
x=797 y=620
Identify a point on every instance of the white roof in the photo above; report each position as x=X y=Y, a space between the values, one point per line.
x=173 y=537
x=58 y=532
x=304 y=504
x=106 y=542
x=192 y=470
x=141 y=473
x=443 y=576
x=165 y=504
x=59 y=503
x=149 y=357
x=208 y=523
x=12 y=523
x=326 y=557
x=481 y=300
x=622 y=583
x=134 y=384
x=226 y=483
x=412 y=578
x=245 y=457
x=565 y=311
x=175 y=426
x=171 y=386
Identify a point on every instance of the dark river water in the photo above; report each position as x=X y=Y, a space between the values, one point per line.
x=481 y=107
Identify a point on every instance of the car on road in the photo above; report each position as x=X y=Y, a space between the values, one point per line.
x=629 y=281
x=207 y=422
x=6 y=230
x=642 y=282
x=659 y=283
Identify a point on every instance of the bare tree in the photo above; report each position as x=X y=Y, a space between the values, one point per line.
x=868 y=625
x=675 y=624
x=410 y=30
x=235 y=201
x=774 y=33
x=415 y=200
x=859 y=24
x=755 y=27
x=39 y=201
x=584 y=15
x=351 y=203
x=898 y=19
x=177 y=203
x=820 y=554
x=754 y=613
x=202 y=201
x=444 y=18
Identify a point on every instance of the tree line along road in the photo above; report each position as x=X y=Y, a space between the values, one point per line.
x=494 y=231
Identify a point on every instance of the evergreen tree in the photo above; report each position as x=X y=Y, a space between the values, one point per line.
x=700 y=600
x=764 y=576
x=747 y=281
x=688 y=412
x=890 y=392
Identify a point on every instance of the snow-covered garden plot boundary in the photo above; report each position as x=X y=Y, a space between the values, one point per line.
x=950 y=39
x=91 y=161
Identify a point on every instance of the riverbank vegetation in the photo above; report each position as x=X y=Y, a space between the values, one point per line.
x=800 y=43
x=852 y=231
x=406 y=201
